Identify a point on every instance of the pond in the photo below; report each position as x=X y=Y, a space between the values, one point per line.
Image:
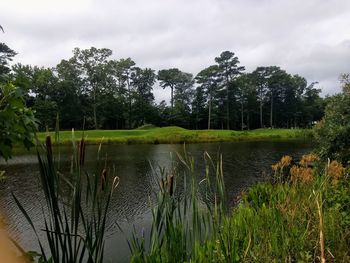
x=244 y=163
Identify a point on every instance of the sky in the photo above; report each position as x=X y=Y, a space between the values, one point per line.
x=306 y=37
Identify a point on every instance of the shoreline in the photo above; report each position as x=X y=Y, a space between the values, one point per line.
x=176 y=135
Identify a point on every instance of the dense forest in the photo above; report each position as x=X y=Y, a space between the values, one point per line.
x=94 y=91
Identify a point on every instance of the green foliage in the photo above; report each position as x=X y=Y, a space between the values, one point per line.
x=285 y=100
x=229 y=71
x=6 y=55
x=272 y=223
x=209 y=80
x=142 y=81
x=93 y=90
x=17 y=122
x=333 y=132
x=180 y=84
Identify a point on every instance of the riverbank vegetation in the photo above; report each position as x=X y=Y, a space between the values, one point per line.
x=178 y=135
x=303 y=215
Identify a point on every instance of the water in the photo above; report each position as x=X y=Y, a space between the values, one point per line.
x=244 y=163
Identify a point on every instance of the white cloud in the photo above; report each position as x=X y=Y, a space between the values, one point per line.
x=310 y=38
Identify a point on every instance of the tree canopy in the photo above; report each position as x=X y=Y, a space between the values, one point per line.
x=104 y=93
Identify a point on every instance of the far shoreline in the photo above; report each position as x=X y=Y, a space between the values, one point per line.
x=174 y=135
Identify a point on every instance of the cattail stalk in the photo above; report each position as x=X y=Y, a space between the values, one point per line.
x=82 y=152
x=319 y=208
x=171 y=185
x=48 y=144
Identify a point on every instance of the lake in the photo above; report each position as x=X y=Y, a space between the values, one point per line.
x=244 y=163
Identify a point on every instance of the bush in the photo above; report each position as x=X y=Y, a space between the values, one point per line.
x=17 y=122
x=333 y=132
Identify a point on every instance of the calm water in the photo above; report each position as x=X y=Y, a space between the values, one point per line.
x=244 y=163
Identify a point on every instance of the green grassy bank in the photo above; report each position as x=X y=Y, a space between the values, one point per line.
x=178 y=135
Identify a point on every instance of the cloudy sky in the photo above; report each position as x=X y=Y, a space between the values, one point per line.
x=310 y=38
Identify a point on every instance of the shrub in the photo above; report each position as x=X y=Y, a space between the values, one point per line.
x=333 y=132
x=17 y=122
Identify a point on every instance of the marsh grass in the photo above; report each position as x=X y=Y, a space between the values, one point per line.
x=75 y=210
x=287 y=222
x=282 y=221
x=182 y=221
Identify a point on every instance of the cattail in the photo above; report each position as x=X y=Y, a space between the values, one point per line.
x=103 y=179
x=82 y=152
x=48 y=145
x=171 y=184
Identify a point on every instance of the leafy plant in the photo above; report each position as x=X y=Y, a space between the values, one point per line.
x=333 y=132
x=17 y=122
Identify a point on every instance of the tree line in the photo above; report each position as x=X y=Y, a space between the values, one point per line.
x=93 y=90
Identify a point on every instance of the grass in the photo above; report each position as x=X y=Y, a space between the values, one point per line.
x=298 y=219
x=173 y=134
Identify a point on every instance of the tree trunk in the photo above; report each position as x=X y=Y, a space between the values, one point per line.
x=172 y=105
x=143 y=110
x=248 y=128
x=227 y=106
x=94 y=110
x=242 y=116
x=172 y=98
x=271 y=112
x=209 y=112
x=261 y=114
x=129 y=98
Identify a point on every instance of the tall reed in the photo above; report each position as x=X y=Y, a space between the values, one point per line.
x=287 y=220
x=183 y=220
x=75 y=210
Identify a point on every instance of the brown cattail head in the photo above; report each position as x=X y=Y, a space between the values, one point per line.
x=48 y=145
x=103 y=179
x=171 y=184
x=82 y=152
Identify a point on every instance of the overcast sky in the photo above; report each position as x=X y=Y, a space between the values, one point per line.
x=306 y=37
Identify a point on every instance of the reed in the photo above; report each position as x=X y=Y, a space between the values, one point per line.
x=75 y=210
x=181 y=220
x=286 y=220
x=303 y=221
